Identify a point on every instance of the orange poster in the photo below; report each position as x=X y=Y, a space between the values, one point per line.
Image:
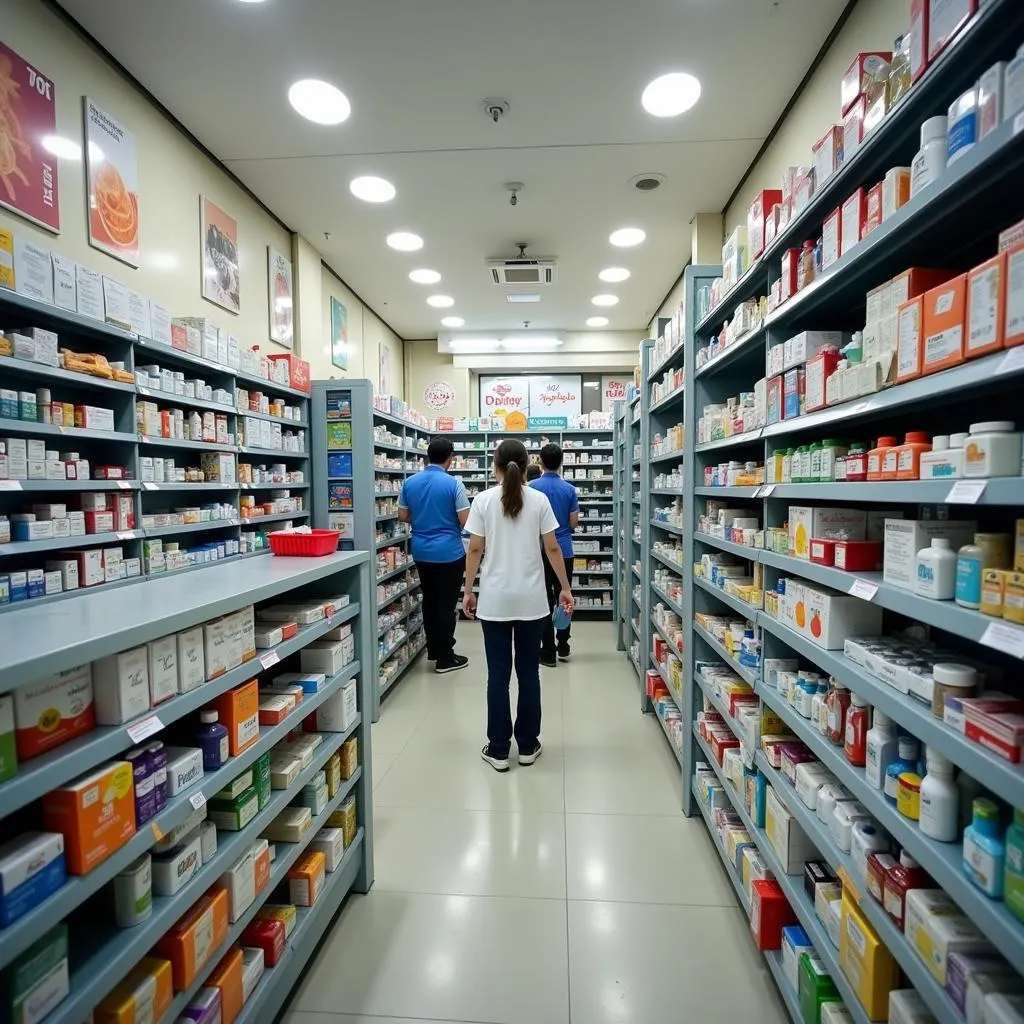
x=113 y=170
x=220 y=256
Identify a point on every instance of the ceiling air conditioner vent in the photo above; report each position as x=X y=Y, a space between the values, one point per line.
x=527 y=272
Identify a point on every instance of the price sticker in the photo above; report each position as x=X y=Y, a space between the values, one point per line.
x=123 y=485
x=766 y=491
x=864 y=590
x=149 y=486
x=966 y=492
x=1002 y=637
x=269 y=659
x=126 y=535
x=10 y=485
x=1012 y=361
x=144 y=728
x=197 y=800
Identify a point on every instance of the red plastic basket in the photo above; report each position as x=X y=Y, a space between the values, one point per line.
x=311 y=545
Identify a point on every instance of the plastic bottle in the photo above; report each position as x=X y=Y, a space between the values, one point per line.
x=984 y=849
x=908 y=455
x=1013 y=877
x=930 y=160
x=898 y=881
x=993 y=449
x=939 y=800
x=905 y=761
x=818 y=708
x=970 y=563
x=876 y=455
x=836 y=707
x=857 y=462
x=858 y=719
x=936 y=571
x=213 y=739
x=881 y=747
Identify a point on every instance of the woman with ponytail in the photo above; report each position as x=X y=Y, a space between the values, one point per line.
x=505 y=523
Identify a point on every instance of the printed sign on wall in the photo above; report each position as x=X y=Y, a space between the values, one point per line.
x=28 y=117
x=279 y=285
x=613 y=389
x=111 y=157
x=556 y=395
x=504 y=395
x=439 y=394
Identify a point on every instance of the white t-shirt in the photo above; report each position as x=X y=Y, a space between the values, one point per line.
x=512 y=571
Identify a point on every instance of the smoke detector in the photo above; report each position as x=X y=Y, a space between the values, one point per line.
x=495 y=107
x=648 y=181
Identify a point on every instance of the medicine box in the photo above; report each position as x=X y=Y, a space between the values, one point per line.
x=935 y=928
x=905 y=537
x=944 y=315
x=865 y=960
x=323 y=656
x=261 y=864
x=163 y=668
x=184 y=768
x=190 y=942
x=267 y=935
x=238 y=711
x=331 y=843
x=785 y=834
x=95 y=814
x=53 y=711
x=32 y=866
x=986 y=307
x=252 y=970
x=306 y=878
x=121 y=686
x=240 y=882
x=795 y=942
x=829 y=617
x=338 y=712
x=8 y=744
x=175 y=868
x=144 y=994
x=227 y=979
x=38 y=979
x=289 y=826
x=234 y=813
x=191 y=663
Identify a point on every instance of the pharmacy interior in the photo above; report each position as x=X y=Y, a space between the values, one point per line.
x=801 y=507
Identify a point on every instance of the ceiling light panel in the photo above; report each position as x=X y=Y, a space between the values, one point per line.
x=440 y=301
x=614 y=274
x=626 y=238
x=671 y=95
x=405 y=241
x=523 y=297
x=319 y=102
x=605 y=300
x=424 y=276
x=372 y=189
x=597 y=321
x=452 y=321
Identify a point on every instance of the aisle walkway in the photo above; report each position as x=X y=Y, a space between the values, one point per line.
x=571 y=889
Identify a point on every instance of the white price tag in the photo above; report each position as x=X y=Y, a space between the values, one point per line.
x=864 y=590
x=149 y=486
x=123 y=485
x=1002 y=637
x=269 y=659
x=766 y=491
x=126 y=535
x=1018 y=123
x=966 y=492
x=197 y=800
x=10 y=485
x=1012 y=361
x=144 y=728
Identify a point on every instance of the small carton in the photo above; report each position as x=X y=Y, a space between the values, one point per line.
x=866 y=961
x=239 y=711
x=32 y=866
x=854 y=221
x=986 y=307
x=788 y=839
x=905 y=537
x=306 y=878
x=8 y=743
x=227 y=979
x=163 y=668
x=240 y=882
x=145 y=993
x=191 y=663
x=1013 y=309
x=909 y=353
x=53 y=711
x=38 y=979
x=935 y=928
x=191 y=942
x=175 y=868
x=121 y=686
x=184 y=768
x=944 y=315
x=338 y=712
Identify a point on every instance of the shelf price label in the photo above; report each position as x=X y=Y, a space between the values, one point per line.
x=197 y=800
x=864 y=590
x=966 y=492
x=269 y=659
x=123 y=485
x=144 y=728
x=10 y=485
x=1012 y=361
x=1002 y=637
x=149 y=486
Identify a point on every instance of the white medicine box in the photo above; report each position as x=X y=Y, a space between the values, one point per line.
x=191 y=663
x=829 y=617
x=905 y=537
x=163 y=668
x=338 y=712
x=121 y=686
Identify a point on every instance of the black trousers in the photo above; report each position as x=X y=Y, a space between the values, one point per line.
x=441 y=584
x=554 y=588
x=509 y=644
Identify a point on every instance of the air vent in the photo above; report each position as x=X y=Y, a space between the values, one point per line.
x=648 y=181
x=522 y=272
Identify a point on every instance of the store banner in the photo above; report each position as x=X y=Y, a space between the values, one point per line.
x=613 y=389
x=113 y=172
x=556 y=395
x=504 y=395
x=28 y=118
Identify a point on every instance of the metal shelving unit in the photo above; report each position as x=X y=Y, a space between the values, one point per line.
x=125 y=446
x=100 y=953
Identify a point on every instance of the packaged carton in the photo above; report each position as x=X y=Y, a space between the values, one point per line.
x=144 y=995
x=239 y=711
x=195 y=937
x=306 y=878
x=227 y=979
x=944 y=314
x=121 y=686
x=32 y=867
x=905 y=537
x=867 y=963
x=37 y=981
x=8 y=745
x=53 y=711
x=986 y=307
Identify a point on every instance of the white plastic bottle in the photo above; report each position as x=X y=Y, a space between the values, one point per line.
x=882 y=745
x=936 y=571
x=940 y=800
x=930 y=160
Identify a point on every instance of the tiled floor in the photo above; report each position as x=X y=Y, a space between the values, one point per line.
x=573 y=889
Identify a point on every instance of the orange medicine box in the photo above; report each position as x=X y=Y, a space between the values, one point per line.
x=986 y=307
x=1013 y=314
x=227 y=978
x=95 y=814
x=909 y=317
x=238 y=711
x=193 y=940
x=855 y=215
x=873 y=208
x=306 y=879
x=144 y=995
x=943 y=325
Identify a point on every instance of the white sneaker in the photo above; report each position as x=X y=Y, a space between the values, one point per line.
x=499 y=764
x=530 y=758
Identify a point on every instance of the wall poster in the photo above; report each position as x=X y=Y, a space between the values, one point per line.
x=339 y=335
x=220 y=256
x=112 y=171
x=384 y=372
x=556 y=395
x=439 y=394
x=279 y=288
x=504 y=395
x=28 y=116
x=614 y=389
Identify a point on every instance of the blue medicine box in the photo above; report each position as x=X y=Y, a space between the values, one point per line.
x=31 y=868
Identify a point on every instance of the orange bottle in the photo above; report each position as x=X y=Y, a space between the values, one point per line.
x=876 y=457
x=908 y=455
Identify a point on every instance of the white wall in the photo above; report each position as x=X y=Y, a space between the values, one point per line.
x=873 y=25
x=424 y=365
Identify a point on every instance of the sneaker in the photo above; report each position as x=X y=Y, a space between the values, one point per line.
x=457 y=661
x=499 y=764
x=563 y=652
x=530 y=758
x=549 y=660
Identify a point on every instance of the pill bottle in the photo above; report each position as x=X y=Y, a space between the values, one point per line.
x=908 y=455
x=908 y=795
x=954 y=680
x=936 y=571
x=905 y=761
x=993 y=449
x=880 y=749
x=899 y=880
x=876 y=456
x=837 y=704
x=962 y=122
x=858 y=720
x=969 y=567
x=213 y=739
x=857 y=462
x=945 y=461
x=939 y=799
x=984 y=851
x=930 y=161
x=1013 y=876
x=831 y=452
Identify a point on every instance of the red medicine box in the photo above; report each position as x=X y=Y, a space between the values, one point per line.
x=855 y=215
x=268 y=935
x=770 y=912
x=823 y=551
x=790 y=260
x=758 y=214
x=864 y=70
x=298 y=370
x=858 y=555
x=874 y=209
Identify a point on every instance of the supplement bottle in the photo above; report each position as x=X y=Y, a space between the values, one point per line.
x=858 y=719
x=857 y=462
x=875 y=457
x=836 y=706
x=993 y=449
x=1013 y=877
x=881 y=747
x=984 y=850
x=213 y=739
x=939 y=800
x=970 y=561
x=905 y=761
x=908 y=457
x=930 y=160
x=936 y=571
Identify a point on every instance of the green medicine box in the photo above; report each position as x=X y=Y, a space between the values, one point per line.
x=37 y=981
x=816 y=988
x=8 y=754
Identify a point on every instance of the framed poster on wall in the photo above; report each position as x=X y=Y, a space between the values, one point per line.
x=339 y=335
x=28 y=118
x=556 y=395
x=219 y=230
x=614 y=389
x=112 y=169
x=279 y=289
x=504 y=395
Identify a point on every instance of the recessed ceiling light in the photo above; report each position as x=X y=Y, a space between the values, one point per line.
x=405 y=241
x=590 y=384
x=597 y=321
x=671 y=95
x=538 y=344
x=523 y=297
x=424 y=276
x=319 y=102
x=624 y=238
x=605 y=300
x=440 y=301
x=473 y=344
x=372 y=189
x=452 y=321
x=614 y=274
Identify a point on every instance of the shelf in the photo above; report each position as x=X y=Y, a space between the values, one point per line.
x=173 y=531
x=394 y=572
x=730 y=870
x=277 y=517
x=1000 y=490
x=151 y=441
x=73 y=323
x=790 y=998
x=388 y=542
x=667 y=562
x=671 y=491
x=673 y=456
x=669 y=603
x=740 y=607
x=69 y=485
x=152 y=486
x=268 y=385
x=719 y=705
x=753 y=283
x=747 y=674
x=668 y=362
x=671 y=643
x=668 y=527
x=388 y=446
x=741 y=347
x=747 y=437
x=172 y=398
x=283 y=420
x=181 y=357
x=66 y=378
x=277 y=453
x=85 y=540
x=726 y=492
x=273 y=487
x=9 y=426
x=669 y=399
x=743 y=550
x=668 y=739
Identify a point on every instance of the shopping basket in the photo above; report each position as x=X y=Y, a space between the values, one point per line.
x=308 y=543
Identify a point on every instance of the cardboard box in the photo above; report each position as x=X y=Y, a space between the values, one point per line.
x=757 y=215
x=306 y=878
x=986 y=307
x=193 y=939
x=37 y=980
x=240 y=882
x=944 y=314
x=52 y=711
x=873 y=208
x=121 y=686
x=163 y=668
x=825 y=523
x=854 y=221
x=298 y=370
x=945 y=19
x=338 y=712
x=830 y=617
x=145 y=994
x=905 y=537
x=226 y=977
x=832 y=238
x=853 y=127
x=864 y=70
x=239 y=711
x=935 y=928
x=191 y=663
x=827 y=155
x=175 y=868
x=909 y=336
x=1013 y=315
x=788 y=839
x=866 y=961
x=95 y=814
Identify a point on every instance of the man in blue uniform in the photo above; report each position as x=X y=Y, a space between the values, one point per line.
x=566 y=506
x=437 y=506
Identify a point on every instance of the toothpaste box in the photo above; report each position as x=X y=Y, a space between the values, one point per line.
x=31 y=868
x=53 y=711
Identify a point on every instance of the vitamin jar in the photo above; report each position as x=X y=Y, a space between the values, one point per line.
x=993 y=449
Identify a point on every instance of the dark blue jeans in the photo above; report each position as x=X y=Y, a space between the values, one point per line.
x=499 y=639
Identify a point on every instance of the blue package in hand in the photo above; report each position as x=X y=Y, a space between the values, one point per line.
x=560 y=617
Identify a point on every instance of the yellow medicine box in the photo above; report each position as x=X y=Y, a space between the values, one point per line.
x=867 y=963
x=144 y=995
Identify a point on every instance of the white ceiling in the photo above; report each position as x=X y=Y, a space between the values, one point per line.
x=416 y=71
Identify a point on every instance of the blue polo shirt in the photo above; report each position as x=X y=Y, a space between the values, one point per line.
x=564 y=501
x=434 y=499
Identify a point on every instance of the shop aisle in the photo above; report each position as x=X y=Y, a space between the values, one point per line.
x=569 y=890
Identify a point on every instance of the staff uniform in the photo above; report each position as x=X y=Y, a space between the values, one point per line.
x=564 y=501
